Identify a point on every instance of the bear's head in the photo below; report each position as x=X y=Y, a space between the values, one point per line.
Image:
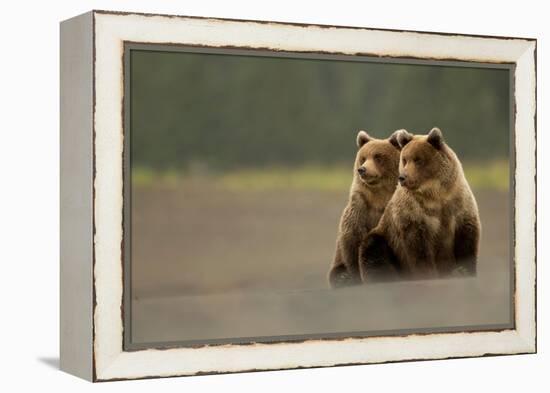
x=426 y=162
x=377 y=160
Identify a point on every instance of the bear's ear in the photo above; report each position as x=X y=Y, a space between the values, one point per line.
x=403 y=137
x=362 y=138
x=435 y=138
x=393 y=139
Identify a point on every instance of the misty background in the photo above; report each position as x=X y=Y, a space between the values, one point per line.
x=239 y=111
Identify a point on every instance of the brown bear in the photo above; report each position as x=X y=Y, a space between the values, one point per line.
x=430 y=227
x=374 y=180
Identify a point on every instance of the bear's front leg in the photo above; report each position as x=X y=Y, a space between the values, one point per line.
x=377 y=261
x=344 y=271
x=340 y=277
x=466 y=244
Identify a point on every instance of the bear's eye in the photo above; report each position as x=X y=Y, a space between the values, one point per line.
x=363 y=159
x=404 y=161
x=377 y=157
x=417 y=160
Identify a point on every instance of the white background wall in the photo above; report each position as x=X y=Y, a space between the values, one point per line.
x=29 y=205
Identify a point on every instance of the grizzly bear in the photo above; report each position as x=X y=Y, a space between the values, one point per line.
x=374 y=180
x=430 y=227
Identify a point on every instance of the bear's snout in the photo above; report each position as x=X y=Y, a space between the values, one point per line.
x=362 y=171
x=402 y=179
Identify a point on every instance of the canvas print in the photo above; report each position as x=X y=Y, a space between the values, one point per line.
x=274 y=197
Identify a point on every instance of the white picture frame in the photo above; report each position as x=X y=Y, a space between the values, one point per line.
x=92 y=189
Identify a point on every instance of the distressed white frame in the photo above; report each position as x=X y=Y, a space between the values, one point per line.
x=111 y=30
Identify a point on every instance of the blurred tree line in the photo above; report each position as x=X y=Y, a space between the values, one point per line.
x=224 y=112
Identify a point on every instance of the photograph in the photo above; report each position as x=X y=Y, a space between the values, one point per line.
x=251 y=195
x=279 y=196
x=274 y=197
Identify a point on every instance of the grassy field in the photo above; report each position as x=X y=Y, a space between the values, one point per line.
x=488 y=175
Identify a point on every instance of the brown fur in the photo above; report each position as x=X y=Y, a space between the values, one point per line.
x=369 y=194
x=431 y=226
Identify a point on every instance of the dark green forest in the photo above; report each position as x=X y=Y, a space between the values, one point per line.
x=223 y=112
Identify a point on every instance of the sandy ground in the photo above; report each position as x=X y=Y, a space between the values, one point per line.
x=212 y=264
